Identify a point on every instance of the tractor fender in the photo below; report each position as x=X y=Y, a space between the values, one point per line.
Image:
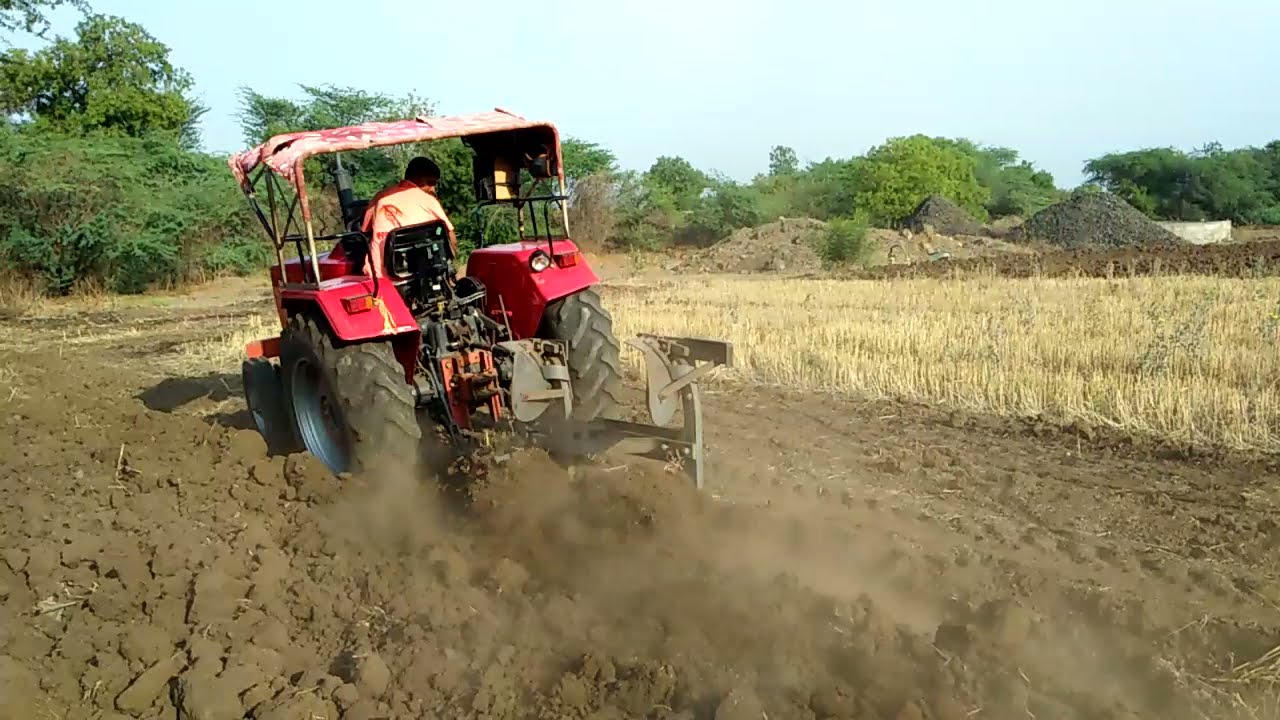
x=515 y=293
x=352 y=313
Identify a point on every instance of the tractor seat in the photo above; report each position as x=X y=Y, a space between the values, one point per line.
x=355 y=248
x=418 y=260
x=355 y=211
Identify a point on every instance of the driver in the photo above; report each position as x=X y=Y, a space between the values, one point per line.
x=411 y=201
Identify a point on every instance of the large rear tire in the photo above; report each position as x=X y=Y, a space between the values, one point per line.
x=594 y=354
x=351 y=406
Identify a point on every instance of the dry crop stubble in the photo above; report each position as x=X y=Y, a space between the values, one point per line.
x=1188 y=359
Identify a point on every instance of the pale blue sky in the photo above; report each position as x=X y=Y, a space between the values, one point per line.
x=721 y=82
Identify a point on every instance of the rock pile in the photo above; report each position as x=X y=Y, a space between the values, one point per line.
x=943 y=216
x=1093 y=219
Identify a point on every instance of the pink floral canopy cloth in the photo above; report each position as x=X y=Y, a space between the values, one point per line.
x=284 y=154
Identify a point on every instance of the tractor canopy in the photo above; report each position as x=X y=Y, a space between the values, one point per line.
x=504 y=144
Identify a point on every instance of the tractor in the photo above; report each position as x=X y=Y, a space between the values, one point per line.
x=520 y=338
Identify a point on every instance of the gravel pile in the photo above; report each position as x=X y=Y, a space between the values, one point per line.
x=944 y=217
x=1094 y=219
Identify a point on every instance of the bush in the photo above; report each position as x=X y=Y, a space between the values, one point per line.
x=127 y=213
x=846 y=241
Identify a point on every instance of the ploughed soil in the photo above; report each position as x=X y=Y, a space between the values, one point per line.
x=1256 y=258
x=847 y=560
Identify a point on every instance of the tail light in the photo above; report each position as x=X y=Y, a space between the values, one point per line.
x=358 y=304
x=567 y=260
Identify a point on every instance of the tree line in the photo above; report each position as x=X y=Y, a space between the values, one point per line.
x=104 y=181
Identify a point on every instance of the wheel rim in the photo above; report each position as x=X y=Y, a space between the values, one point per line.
x=319 y=417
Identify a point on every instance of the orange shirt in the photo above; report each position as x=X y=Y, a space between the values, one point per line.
x=397 y=206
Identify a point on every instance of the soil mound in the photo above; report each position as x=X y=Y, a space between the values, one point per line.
x=943 y=216
x=1094 y=219
x=1236 y=260
x=788 y=245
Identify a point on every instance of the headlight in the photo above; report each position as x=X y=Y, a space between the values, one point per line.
x=539 y=261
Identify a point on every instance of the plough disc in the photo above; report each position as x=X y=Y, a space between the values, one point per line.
x=673 y=366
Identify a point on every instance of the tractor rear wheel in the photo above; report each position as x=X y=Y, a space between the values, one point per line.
x=595 y=367
x=351 y=406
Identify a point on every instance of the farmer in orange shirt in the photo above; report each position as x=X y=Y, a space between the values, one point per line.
x=411 y=201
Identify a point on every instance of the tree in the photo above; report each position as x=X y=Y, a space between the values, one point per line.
x=1156 y=181
x=582 y=159
x=114 y=78
x=1211 y=183
x=326 y=106
x=29 y=15
x=783 y=161
x=826 y=189
x=1017 y=187
x=895 y=177
x=680 y=181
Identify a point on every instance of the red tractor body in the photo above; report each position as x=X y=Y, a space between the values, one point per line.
x=504 y=270
x=520 y=336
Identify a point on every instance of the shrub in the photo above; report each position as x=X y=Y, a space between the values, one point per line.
x=127 y=213
x=846 y=241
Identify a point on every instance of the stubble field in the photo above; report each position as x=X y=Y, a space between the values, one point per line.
x=928 y=499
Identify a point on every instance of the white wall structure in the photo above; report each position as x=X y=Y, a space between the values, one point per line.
x=1201 y=233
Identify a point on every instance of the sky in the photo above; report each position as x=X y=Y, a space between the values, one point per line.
x=720 y=83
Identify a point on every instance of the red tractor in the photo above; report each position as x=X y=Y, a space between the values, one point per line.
x=521 y=337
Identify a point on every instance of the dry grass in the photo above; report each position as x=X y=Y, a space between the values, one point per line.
x=223 y=351
x=18 y=295
x=1191 y=359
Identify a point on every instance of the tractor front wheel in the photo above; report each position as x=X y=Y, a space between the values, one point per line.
x=595 y=367
x=351 y=406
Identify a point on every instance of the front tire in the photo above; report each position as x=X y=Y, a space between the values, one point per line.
x=351 y=406
x=595 y=367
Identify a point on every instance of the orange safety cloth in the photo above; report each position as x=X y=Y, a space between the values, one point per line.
x=397 y=206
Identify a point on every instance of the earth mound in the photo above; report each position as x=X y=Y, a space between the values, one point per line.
x=788 y=245
x=1087 y=219
x=944 y=216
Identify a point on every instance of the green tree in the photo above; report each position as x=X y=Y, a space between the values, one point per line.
x=114 y=78
x=826 y=190
x=328 y=106
x=678 y=180
x=783 y=161
x=1156 y=181
x=29 y=15
x=262 y=117
x=726 y=207
x=1241 y=185
x=127 y=212
x=582 y=159
x=895 y=177
x=1016 y=186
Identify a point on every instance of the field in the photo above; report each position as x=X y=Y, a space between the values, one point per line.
x=928 y=498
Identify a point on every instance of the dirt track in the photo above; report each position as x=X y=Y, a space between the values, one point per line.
x=1259 y=258
x=849 y=560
